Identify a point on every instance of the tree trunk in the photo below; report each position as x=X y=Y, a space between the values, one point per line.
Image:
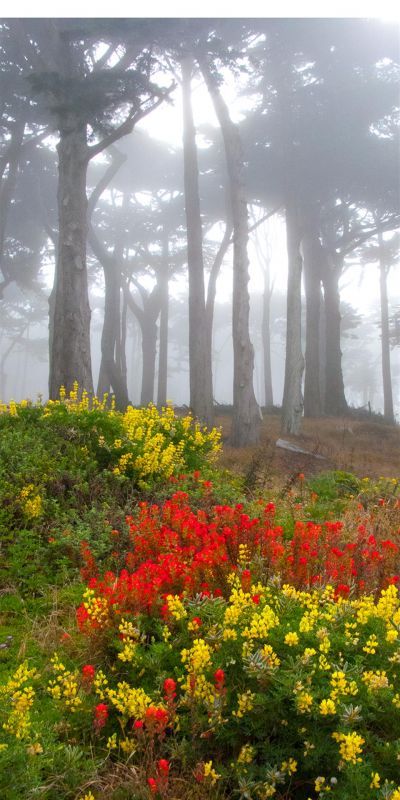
x=7 y=185
x=212 y=284
x=292 y=404
x=312 y=251
x=103 y=383
x=200 y=369
x=111 y=335
x=164 y=312
x=70 y=358
x=335 y=400
x=266 y=337
x=123 y=365
x=388 y=411
x=246 y=412
x=149 y=346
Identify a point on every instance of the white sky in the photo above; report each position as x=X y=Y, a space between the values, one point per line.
x=384 y=9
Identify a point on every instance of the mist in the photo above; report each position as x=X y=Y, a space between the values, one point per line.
x=166 y=181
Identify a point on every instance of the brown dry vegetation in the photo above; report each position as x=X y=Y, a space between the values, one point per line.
x=366 y=448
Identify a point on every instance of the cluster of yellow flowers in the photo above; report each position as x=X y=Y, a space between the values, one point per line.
x=350 y=746
x=65 y=686
x=130 y=636
x=161 y=441
x=19 y=698
x=129 y=701
x=77 y=401
x=176 y=607
x=96 y=608
x=31 y=501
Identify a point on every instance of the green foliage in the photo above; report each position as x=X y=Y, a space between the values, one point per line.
x=70 y=471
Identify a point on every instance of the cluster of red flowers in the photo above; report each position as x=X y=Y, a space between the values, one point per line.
x=158 y=785
x=176 y=549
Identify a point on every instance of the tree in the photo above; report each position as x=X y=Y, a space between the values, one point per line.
x=384 y=252
x=323 y=102
x=201 y=393
x=246 y=412
x=82 y=89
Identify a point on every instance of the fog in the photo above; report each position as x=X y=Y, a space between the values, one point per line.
x=316 y=105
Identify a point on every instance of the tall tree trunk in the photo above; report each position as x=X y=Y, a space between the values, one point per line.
x=200 y=368
x=388 y=411
x=335 y=400
x=111 y=335
x=212 y=284
x=70 y=358
x=312 y=251
x=292 y=404
x=103 y=382
x=246 y=420
x=149 y=346
x=322 y=349
x=123 y=364
x=266 y=336
x=164 y=312
x=7 y=184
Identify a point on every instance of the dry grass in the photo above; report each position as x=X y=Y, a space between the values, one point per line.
x=369 y=449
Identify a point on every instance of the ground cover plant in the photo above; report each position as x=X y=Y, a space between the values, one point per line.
x=179 y=636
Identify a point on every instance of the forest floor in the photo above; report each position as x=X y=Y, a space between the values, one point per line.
x=363 y=447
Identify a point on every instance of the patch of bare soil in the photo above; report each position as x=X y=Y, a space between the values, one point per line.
x=368 y=449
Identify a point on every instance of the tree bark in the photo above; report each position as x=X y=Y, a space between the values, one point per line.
x=388 y=411
x=292 y=404
x=164 y=313
x=110 y=337
x=200 y=367
x=212 y=284
x=149 y=346
x=312 y=254
x=246 y=420
x=335 y=400
x=147 y=319
x=70 y=358
x=7 y=184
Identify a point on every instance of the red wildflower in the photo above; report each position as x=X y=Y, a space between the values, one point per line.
x=100 y=715
x=169 y=688
x=152 y=785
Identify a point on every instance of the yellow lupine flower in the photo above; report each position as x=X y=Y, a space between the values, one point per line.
x=375 y=780
x=246 y=754
x=292 y=639
x=209 y=772
x=245 y=703
x=350 y=746
x=198 y=657
x=130 y=701
x=289 y=766
x=320 y=784
x=375 y=680
x=304 y=701
x=260 y=624
x=371 y=645
x=327 y=707
x=176 y=607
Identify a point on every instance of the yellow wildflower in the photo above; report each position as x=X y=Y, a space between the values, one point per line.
x=327 y=707
x=350 y=746
x=375 y=780
x=209 y=772
x=291 y=639
x=245 y=703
